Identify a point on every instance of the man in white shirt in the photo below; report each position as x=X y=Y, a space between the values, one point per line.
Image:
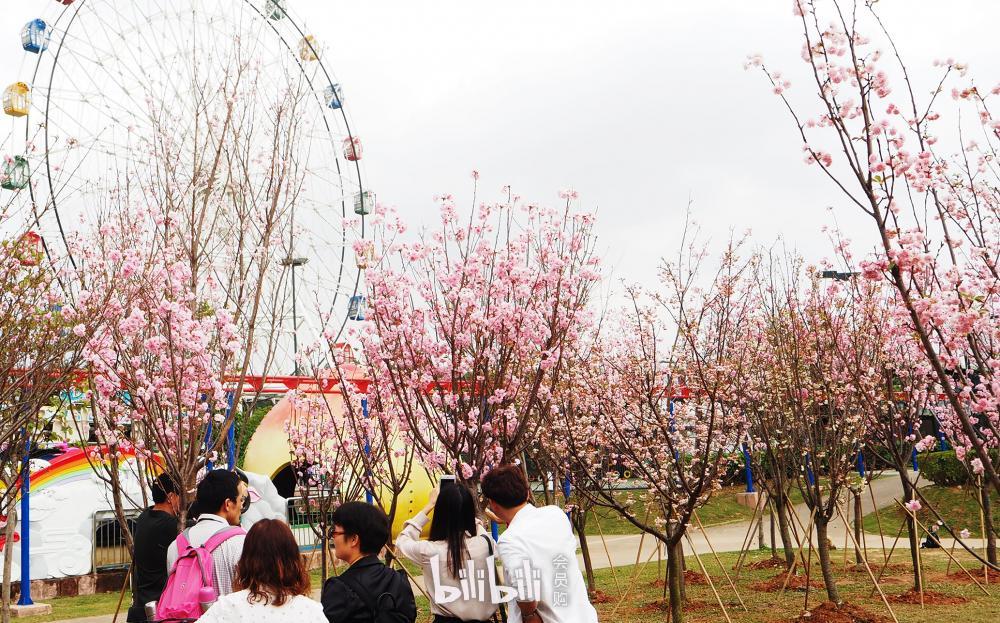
x=221 y=498
x=538 y=552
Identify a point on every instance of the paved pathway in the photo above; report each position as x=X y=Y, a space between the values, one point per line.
x=624 y=549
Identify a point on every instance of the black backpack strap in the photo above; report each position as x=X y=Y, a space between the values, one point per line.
x=361 y=593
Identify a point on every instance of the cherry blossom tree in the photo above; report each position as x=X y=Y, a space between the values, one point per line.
x=932 y=203
x=821 y=343
x=631 y=412
x=469 y=324
x=896 y=406
x=160 y=356
x=552 y=456
x=386 y=461
x=325 y=461
x=43 y=335
x=772 y=455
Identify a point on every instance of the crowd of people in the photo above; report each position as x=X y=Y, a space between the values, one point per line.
x=216 y=572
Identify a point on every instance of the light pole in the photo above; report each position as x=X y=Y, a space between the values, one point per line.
x=293 y=262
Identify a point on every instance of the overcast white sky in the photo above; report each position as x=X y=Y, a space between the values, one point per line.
x=638 y=105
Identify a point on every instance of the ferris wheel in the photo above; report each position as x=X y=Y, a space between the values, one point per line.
x=119 y=94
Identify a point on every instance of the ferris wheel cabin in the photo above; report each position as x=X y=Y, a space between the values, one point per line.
x=35 y=36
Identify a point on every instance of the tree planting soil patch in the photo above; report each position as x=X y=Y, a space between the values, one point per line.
x=767 y=563
x=663 y=605
x=695 y=577
x=930 y=598
x=962 y=578
x=795 y=583
x=599 y=597
x=894 y=568
x=828 y=612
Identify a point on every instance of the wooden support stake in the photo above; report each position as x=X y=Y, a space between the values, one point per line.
x=746 y=538
x=982 y=528
x=871 y=575
x=809 y=571
x=711 y=584
x=808 y=537
x=847 y=528
x=631 y=584
x=121 y=596
x=920 y=566
x=878 y=518
x=420 y=588
x=611 y=563
x=957 y=562
x=807 y=533
x=719 y=562
x=899 y=533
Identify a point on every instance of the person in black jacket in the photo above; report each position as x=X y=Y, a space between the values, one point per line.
x=155 y=530
x=366 y=591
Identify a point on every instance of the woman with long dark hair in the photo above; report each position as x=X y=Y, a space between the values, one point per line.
x=456 y=560
x=271 y=581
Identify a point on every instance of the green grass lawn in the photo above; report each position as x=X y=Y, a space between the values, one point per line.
x=634 y=594
x=721 y=508
x=79 y=607
x=957 y=505
x=641 y=596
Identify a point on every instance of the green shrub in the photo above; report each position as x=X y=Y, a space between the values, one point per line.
x=943 y=468
x=247 y=425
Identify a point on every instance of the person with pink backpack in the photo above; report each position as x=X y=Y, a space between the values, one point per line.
x=202 y=561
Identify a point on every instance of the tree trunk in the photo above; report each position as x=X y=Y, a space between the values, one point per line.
x=116 y=496
x=825 y=564
x=911 y=532
x=858 y=557
x=760 y=533
x=580 y=522
x=781 y=509
x=991 y=536
x=322 y=557
x=774 y=549
x=8 y=562
x=680 y=556
x=675 y=581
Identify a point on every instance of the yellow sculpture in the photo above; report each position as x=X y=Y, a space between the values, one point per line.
x=268 y=453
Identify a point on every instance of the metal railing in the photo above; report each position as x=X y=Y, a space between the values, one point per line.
x=110 y=550
x=302 y=516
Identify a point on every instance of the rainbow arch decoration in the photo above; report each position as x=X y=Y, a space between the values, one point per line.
x=69 y=467
x=64 y=496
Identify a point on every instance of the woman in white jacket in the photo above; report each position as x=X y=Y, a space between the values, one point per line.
x=271 y=582
x=457 y=560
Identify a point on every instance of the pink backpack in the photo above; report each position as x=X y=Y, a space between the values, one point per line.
x=192 y=582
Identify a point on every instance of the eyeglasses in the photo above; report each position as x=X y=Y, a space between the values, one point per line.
x=337 y=533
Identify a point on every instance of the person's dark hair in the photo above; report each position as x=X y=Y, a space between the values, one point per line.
x=214 y=489
x=366 y=521
x=271 y=567
x=454 y=520
x=161 y=487
x=506 y=485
